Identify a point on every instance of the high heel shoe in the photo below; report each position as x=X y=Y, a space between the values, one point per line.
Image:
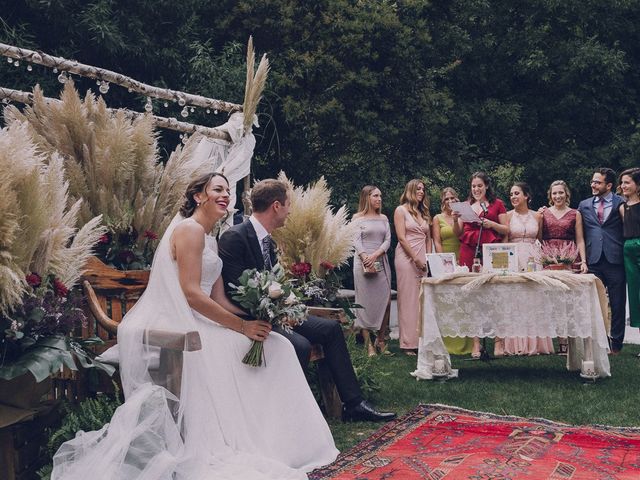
x=383 y=349
x=371 y=350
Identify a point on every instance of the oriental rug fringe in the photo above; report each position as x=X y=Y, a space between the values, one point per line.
x=439 y=442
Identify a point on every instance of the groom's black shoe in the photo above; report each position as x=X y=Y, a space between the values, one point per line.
x=363 y=412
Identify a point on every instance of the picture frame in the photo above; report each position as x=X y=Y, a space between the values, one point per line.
x=500 y=258
x=441 y=264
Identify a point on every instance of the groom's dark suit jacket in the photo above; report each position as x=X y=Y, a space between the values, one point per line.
x=240 y=250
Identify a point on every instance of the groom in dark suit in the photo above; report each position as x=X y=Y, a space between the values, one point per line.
x=249 y=245
x=602 y=226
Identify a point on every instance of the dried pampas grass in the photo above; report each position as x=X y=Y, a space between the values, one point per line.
x=313 y=233
x=110 y=161
x=254 y=85
x=37 y=224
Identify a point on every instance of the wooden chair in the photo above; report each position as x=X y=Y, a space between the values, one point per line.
x=328 y=390
x=114 y=291
x=110 y=293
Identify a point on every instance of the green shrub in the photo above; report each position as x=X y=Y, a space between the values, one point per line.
x=90 y=414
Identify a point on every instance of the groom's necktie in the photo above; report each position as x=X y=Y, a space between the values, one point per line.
x=266 y=252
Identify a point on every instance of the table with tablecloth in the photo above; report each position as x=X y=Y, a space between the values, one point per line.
x=537 y=304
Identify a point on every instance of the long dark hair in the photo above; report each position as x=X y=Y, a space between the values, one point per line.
x=196 y=186
x=526 y=190
x=491 y=195
x=634 y=173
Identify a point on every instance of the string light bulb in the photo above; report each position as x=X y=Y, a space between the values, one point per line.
x=62 y=78
x=148 y=107
x=104 y=88
x=185 y=112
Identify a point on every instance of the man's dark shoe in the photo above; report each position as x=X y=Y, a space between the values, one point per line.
x=364 y=412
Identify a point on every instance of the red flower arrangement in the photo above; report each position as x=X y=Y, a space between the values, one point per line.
x=34 y=280
x=328 y=266
x=300 y=269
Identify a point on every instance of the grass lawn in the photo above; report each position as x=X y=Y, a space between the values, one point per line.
x=524 y=386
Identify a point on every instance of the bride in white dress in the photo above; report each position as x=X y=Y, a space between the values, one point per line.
x=232 y=421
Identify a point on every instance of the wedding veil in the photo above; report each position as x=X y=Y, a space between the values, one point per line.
x=154 y=435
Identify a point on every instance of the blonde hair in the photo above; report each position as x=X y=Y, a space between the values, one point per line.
x=564 y=185
x=364 y=204
x=410 y=197
x=443 y=194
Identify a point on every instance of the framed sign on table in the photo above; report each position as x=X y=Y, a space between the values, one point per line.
x=441 y=264
x=500 y=257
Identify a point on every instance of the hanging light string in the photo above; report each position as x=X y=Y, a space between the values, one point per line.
x=105 y=77
x=10 y=95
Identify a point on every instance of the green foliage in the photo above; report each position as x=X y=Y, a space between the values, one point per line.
x=387 y=90
x=369 y=371
x=89 y=415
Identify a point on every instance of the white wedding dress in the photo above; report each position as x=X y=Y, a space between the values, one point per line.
x=232 y=421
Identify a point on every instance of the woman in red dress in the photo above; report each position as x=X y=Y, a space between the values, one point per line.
x=495 y=228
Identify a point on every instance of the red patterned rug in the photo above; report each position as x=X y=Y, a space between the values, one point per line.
x=440 y=442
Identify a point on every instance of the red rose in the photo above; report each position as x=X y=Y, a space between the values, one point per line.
x=34 y=280
x=301 y=269
x=150 y=234
x=104 y=239
x=328 y=266
x=60 y=288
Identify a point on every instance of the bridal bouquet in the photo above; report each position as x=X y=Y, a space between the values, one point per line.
x=268 y=296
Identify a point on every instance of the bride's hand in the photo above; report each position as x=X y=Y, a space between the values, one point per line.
x=256 y=329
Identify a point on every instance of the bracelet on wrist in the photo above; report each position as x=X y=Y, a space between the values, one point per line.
x=242 y=326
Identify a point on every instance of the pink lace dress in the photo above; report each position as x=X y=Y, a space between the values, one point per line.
x=524 y=229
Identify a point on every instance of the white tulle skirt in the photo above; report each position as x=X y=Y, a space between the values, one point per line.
x=237 y=422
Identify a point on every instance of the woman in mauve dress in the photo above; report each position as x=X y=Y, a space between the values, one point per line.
x=445 y=241
x=524 y=229
x=493 y=215
x=371 y=272
x=562 y=225
x=412 y=223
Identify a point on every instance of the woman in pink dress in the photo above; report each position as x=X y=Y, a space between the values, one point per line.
x=525 y=227
x=561 y=225
x=494 y=224
x=412 y=223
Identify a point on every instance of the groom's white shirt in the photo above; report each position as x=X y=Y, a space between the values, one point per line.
x=261 y=232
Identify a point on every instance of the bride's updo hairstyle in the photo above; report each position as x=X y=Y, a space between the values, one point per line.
x=199 y=185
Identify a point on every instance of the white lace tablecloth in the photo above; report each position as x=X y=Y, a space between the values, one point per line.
x=540 y=304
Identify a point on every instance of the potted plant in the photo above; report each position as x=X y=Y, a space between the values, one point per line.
x=42 y=255
x=313 y=243
x=556 y=256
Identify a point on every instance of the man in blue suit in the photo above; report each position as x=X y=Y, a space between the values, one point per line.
x=602 y=226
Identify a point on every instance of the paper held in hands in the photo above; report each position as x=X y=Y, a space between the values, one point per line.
x=466 y=212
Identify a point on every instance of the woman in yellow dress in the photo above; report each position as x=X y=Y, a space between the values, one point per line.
x=445 y=241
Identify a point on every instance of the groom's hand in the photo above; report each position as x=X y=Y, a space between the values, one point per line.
x=257 y=330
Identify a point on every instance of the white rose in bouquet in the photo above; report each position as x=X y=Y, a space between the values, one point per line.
x=291 y=299
x=275 y=290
